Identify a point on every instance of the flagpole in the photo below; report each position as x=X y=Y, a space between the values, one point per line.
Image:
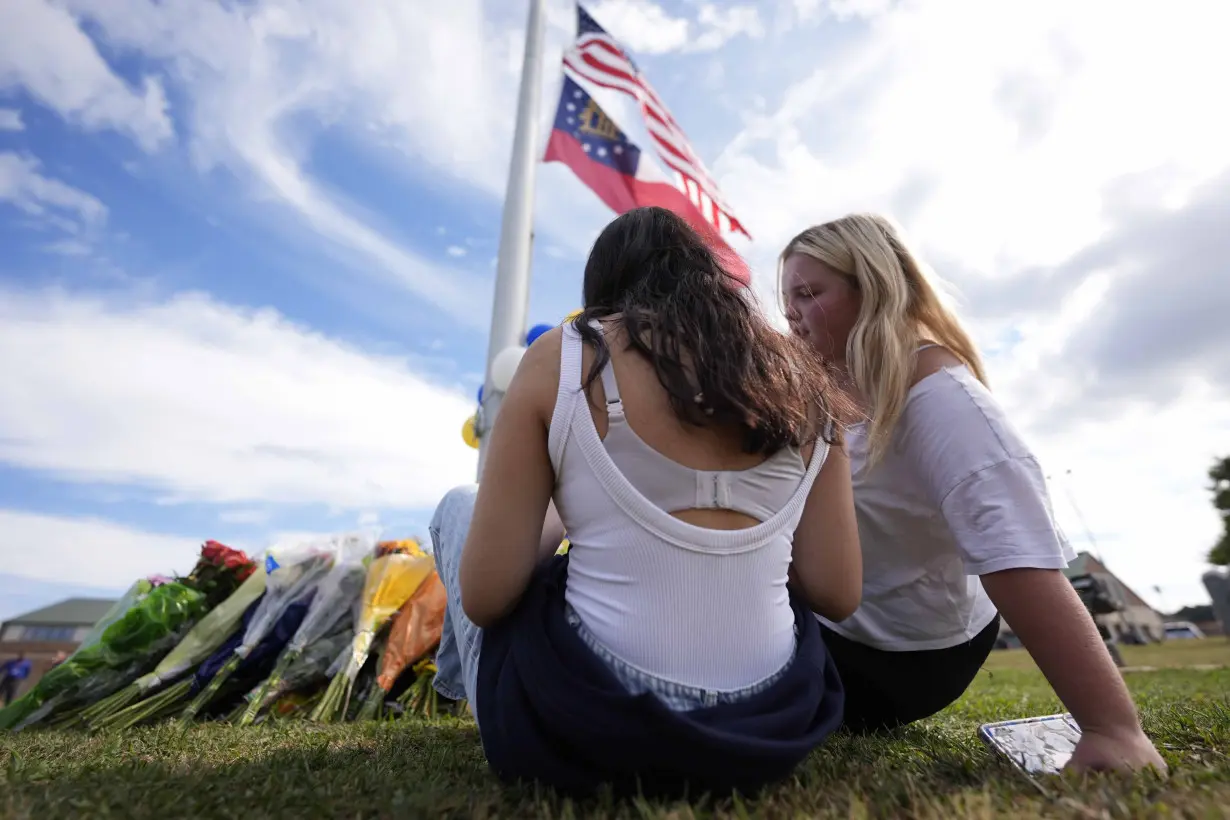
x=512 y=273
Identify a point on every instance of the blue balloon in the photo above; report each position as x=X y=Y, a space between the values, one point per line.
x=480 y=394
x=535 y=332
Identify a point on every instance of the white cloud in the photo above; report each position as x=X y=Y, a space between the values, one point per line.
x=809 y=11
x=641 y=25
x=260 y=80
x=10 y=120
x=89 y=551
x=455 y=251
x=46 y=199
x=43 y=50
x=644 y=27
x=1139 y=482
x=244 y=516
x=992 y=148
x=718 y=25
x=69 y=247
x=205 y=402
x=1002 y=154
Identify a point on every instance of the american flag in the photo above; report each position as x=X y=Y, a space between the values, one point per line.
x=598 y=58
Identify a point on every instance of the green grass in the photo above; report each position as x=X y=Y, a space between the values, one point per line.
x=937 y=769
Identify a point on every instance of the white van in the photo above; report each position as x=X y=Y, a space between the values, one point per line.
x=1182 y=630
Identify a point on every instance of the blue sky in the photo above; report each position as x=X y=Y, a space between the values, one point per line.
x=249 y=248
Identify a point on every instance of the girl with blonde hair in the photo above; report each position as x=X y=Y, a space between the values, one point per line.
x=954 y=518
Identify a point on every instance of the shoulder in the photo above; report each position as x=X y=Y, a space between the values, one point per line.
x=538 y=374
x=933 y=360
x=953 y=412
x=546 y=348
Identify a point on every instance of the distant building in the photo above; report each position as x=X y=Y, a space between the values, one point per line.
x=1137 y=622
x=45 y=633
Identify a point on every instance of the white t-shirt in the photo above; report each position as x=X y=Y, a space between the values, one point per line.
x=957 y=495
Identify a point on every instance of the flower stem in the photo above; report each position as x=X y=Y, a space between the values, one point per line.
x=117 y=702
x=206 y=695
x=256 y=700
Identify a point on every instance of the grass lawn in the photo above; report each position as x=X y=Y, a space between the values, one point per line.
x=937 y=769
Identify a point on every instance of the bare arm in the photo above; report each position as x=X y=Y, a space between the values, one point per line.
x=1007 y=504
x=826 y=563
x=1045 y=613
x=510 y=513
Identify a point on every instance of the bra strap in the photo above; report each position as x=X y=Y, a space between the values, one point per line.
x=614 y=404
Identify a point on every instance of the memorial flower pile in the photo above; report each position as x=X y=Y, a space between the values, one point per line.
x=143 y=626
x=308 y=631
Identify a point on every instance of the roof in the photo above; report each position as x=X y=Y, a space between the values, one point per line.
x=1086 y=564
x=69 y=612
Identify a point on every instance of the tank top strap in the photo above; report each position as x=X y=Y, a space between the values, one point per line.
x=927 y=346
x=566 y=395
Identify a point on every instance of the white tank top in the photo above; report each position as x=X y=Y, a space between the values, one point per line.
x=699 y=607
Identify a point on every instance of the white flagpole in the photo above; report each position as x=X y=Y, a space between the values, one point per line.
x=512 y=273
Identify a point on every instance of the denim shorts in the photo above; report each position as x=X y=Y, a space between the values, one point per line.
x=676 y=696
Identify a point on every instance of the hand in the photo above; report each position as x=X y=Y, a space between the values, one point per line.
x=1132 y=751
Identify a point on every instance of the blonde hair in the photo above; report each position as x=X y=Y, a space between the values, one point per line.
x=900 y=308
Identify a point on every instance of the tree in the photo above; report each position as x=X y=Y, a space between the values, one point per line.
x=1219 y=474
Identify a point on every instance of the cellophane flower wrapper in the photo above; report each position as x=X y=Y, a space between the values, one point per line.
x=170 y=698
x=208 y=634
x=34 y=713
x=335 y=598
x=150 y=626
x=130 y=598
x=205 y=637
x=253 y=666
x=210 y=666
x=392 y=577
x=415 y=631
x=308 y=668
x=258 y=663
x=291 y=569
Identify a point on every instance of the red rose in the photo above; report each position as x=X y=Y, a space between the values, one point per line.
x=213 y=552
x=222 y=556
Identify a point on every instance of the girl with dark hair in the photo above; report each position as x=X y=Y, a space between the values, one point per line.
x=689 y=449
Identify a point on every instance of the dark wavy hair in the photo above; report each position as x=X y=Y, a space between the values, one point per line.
x=717 y=356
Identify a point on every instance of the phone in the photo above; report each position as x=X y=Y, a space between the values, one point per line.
x=1036 y=745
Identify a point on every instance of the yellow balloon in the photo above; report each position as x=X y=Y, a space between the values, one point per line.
x=469 y=434
x=573 y=315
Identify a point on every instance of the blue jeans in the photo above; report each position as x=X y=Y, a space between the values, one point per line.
x=461 y=641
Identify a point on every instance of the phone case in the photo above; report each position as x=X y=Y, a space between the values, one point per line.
x=1037 y=745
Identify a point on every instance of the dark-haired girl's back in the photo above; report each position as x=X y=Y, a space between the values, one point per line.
x=674 y=647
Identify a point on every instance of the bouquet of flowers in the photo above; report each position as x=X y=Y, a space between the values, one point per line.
x=292 y=571
x=168 y=701
x=146 y=629
x=200 y=642
x=415 y=630
x=335 y=598
x=219 y=572
x=253 y=666
x=421 y=697
x=393 y=576
x=309 y=667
